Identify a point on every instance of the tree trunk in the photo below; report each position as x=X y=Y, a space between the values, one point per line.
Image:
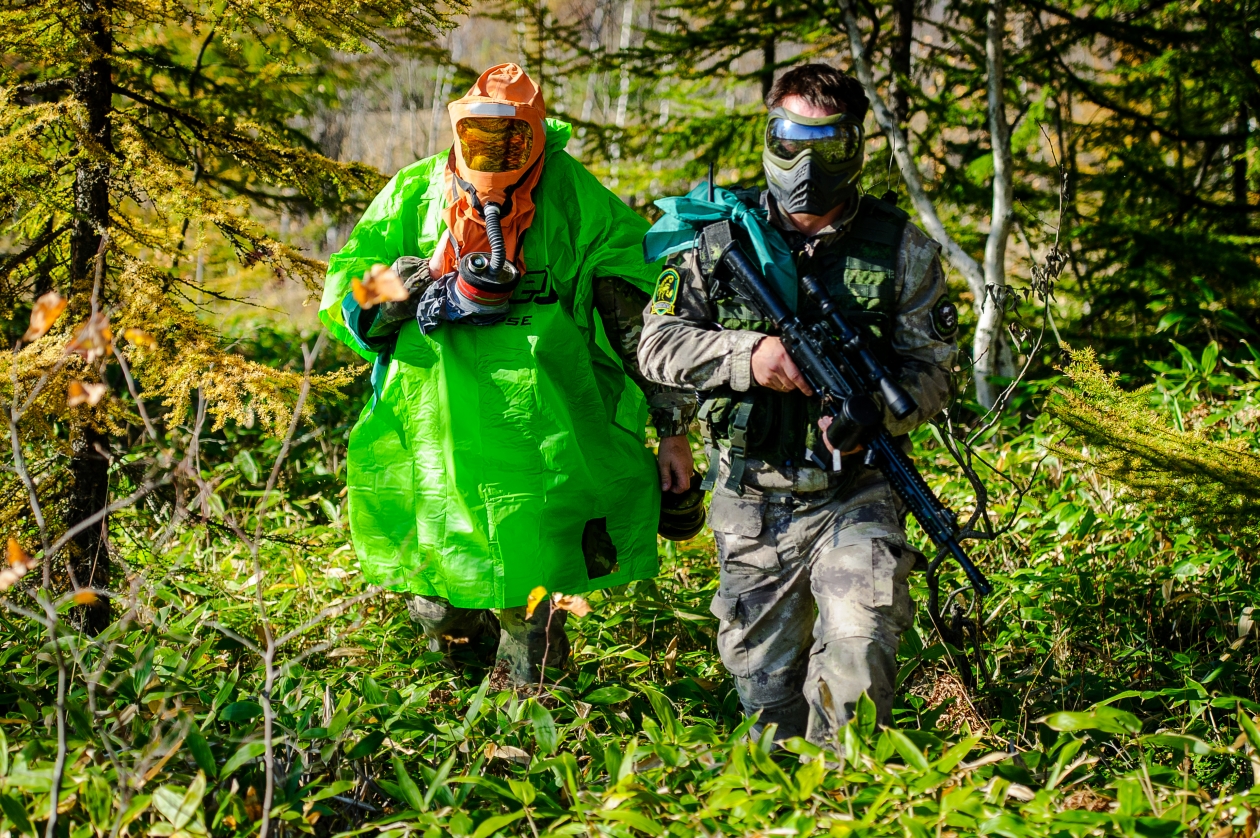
x=89 y=468
x=988 y=353
x=1241 y=193
x=903 y=36
x=986 y=350
x=768 y=51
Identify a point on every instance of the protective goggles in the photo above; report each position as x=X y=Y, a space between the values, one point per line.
x=494 y=144
x=833 y=140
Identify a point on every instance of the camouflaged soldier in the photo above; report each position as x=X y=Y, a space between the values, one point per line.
x=813 y=594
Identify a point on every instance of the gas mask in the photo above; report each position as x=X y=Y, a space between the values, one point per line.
x=494 y=165
x=812 y=163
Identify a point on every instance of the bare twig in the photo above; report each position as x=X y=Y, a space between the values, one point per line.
x=135 y=394
x=59 y=764
x=542 y=667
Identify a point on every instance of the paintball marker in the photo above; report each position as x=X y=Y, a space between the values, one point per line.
x=844 y=372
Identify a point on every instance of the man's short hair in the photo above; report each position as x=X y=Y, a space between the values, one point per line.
x=823 y=86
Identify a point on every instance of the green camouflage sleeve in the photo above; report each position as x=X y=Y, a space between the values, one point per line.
x=926 y=336
x=620 y=306
x=682 y=346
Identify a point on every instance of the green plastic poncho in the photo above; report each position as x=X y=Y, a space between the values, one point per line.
x=475 y=469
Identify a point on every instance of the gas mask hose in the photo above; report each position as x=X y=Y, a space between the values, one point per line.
x=494 y=232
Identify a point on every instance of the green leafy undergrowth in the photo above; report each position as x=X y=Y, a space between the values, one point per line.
x=1117 y=694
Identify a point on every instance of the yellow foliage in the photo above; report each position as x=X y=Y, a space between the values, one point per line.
x=1215 y=483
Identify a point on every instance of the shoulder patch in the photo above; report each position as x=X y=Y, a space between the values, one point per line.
x=666 y=292
x=945 y=319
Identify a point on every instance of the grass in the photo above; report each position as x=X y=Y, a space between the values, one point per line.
x=1120 y=697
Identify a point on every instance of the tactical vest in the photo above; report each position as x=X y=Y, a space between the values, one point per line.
x=859 y=270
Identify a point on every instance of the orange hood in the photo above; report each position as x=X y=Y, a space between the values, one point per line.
x=502 y=91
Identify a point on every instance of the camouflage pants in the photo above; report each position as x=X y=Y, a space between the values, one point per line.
x=522 y=642
x=812 y=600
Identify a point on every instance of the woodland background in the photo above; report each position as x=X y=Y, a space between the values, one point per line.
x=187 y=646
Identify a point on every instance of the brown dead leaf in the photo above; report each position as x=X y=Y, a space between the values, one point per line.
x=85 y=392
x=670 y=658
x=8 y=578
x=47 y=309
x=140 y=337
x=508 y=753
x=1087 y=799
x=157 y=768
x=572 y=603
x=253 y=806
x=380 y=285
x=535 y=596
x=16 y=555
x=93 y=338
x=19 y=564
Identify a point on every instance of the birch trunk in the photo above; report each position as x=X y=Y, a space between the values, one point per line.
x=988 y=350
x=987 y=346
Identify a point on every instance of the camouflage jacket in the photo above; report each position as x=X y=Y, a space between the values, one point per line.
x=687 y=348
x=620 y=306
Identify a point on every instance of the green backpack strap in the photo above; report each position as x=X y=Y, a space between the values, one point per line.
x=739 y=445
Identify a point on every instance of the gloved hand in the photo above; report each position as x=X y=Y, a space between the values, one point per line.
x=414 y=272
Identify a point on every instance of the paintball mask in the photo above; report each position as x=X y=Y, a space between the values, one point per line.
x=495 y=164
x=812 y=163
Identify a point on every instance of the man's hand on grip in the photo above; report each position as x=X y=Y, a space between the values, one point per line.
x=772 y=367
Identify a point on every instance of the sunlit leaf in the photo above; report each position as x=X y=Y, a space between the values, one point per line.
x=544 y=727
x=575 y=605
x=92 y=339
x=611 y=694
x=85 y=392
x=1105 y=719
x=1179 y=743
x=492 y=825
x=179 y=805
x=379 y=285
x=140 y=337
x=247 y=752
x=45 y=313
x=535 y=596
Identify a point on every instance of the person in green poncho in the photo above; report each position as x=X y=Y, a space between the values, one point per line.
x=504 y=445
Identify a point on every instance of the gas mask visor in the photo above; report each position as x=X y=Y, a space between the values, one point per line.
x=495 y=144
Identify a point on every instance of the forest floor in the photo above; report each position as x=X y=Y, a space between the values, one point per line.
x=1117 y=694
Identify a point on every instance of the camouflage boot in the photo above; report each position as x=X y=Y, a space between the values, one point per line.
x=524 y=644
x=463 y=635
